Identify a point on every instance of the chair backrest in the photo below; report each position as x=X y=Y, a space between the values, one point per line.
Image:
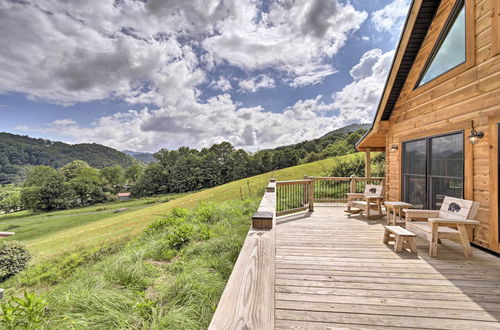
x=456 y=208
x=374 y=190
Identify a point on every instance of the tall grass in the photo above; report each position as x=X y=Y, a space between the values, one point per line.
x=156 y=281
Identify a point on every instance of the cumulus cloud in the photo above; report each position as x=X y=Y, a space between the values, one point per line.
x=358 y=101
x=391 y=17
x=222 y=84
x=255 y=83
x=156 y=54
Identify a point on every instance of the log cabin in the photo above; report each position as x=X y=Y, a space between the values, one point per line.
x=438 y=119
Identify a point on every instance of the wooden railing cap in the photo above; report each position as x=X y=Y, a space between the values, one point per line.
x=262 y=215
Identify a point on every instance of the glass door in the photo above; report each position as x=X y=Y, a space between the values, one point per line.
x=446 y=168
x=414 y=173
x=433 y=168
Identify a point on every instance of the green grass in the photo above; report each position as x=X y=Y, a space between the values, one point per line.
x=149 y=283
x=128 y=225
x=28 y=226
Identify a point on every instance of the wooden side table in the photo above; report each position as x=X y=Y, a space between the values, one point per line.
x=395 y=218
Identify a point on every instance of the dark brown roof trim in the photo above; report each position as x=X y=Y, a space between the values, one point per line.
x=422 y=23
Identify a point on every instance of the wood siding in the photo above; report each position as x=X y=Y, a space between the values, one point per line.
x=469 y=92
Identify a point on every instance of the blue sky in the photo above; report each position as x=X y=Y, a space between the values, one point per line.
x=160 y=74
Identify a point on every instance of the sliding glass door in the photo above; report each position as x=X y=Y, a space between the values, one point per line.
x=414 y=173
x=433 y=167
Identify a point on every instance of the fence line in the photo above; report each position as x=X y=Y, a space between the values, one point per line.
x=300 y=195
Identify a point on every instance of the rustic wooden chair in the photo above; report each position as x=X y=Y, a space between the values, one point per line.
x=453 y=221
x=370 y=200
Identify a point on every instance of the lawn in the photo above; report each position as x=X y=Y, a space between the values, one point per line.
x=28 y=226
x=130 y=224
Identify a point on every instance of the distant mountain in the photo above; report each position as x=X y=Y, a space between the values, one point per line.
x=19 y=151
x=144 y=157
x=348 y=129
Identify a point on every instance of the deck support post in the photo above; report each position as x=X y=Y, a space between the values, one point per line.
x=368 y=163
x=353 y=184
x=311 y=194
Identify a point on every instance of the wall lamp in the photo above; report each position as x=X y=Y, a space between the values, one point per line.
x=394 y=148
x=475 y=135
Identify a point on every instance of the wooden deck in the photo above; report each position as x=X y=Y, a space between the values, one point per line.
x=334 y=272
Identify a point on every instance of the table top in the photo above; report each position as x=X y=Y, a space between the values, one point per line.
x=398 y=204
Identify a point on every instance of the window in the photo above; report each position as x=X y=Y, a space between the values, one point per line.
x=450 y=48
x=433 y=168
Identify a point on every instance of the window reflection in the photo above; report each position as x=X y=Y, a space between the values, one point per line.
x=451 y=49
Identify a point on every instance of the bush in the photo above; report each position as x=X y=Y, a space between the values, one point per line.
x=23 y=313
x=14 y=257
x=180 y=236
x=347 y=167
x=207 y=212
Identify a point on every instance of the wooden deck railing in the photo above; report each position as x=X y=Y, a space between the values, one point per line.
x=300 y=195
x=248 y=299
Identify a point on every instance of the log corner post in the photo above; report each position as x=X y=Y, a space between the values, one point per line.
x=368 y=163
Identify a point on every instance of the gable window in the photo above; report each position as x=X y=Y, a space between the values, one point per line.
x=450 y=48
x=433 y=168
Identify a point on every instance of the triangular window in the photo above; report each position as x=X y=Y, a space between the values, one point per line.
x=449 y=51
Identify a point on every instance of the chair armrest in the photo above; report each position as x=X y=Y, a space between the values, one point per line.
x=355 y=195
x=453 y=221
x=422 y=214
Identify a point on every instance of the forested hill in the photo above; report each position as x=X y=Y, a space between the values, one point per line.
x=17 y=151
x=144 y=157
x=348 y=129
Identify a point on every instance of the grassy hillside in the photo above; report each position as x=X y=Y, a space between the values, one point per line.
x=28 y=226
x=130 y=224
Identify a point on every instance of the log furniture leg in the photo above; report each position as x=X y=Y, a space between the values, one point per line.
x=464 y=238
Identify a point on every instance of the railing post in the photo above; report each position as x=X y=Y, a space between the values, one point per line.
x=263 y=219
x=311 y=194
x=353 y=183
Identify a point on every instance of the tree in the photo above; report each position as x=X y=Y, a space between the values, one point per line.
x=72 y=169
x=88 y=186
x=52 y=194
x=133 y=173
x=10 y=198
x=38 y=175
x=338 y=148
x=114 y=175
x=154 y=181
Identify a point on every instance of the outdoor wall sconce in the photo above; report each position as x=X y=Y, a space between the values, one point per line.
x=394 y=148
x=475 y=135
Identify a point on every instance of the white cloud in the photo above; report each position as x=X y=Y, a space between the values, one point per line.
x=158 y=53
x=63 y=122
x=255 y=83
x=222 y=84
x=391 y=17
x=358 y=101
x=294 y=37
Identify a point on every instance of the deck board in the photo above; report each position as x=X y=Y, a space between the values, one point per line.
x=333 y=271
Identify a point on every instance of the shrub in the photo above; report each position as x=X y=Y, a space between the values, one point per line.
x=180 y=236
x=207 y=212
x=23 y=313
x=14 y=257
x=164 y=224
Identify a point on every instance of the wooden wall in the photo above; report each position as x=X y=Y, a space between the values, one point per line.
x=470 y=92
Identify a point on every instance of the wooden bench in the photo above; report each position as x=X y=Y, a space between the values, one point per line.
x=454 y=221
x=403 y=238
